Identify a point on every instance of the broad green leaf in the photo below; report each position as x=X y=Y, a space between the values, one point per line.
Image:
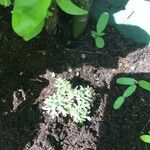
x=5 y=2
x=118 y=102
x=99 y=42
x=28 y=17
x=145 y=138
x=70 y=8
x=129 y=91
x=126 y=81
x=144 y=84
x=102 y=22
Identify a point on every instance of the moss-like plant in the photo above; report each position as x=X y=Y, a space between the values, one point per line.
x=68 y=101
x=132 y=85
x=100 y=27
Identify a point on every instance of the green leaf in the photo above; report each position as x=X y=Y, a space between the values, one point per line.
x=99 y=41
x=129 y=91
x=5 y=2
x=145 y=138
x=70 y=8
x=102 y=22
x=144 y=84
x=28 y=17
x=118 y=102
x=101 y=34
x=126 y=81
x=94 y=34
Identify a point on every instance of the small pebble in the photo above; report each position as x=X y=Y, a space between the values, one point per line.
x=43 y=53
x=77 y=73
x=21 y=73
x=70 y=70
x=83 y=56
x=132 y=68
x=53 y=75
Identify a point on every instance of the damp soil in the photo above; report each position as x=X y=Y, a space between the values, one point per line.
x=29 y=69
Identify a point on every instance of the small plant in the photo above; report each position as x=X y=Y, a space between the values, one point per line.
x=68 y=101
x=28 y=16
x=145 y=138
x=132 y=85
x=100 y=27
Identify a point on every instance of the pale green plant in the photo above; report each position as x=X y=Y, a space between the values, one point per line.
x=66 y=101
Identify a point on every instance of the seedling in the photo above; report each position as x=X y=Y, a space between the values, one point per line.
x=132 y=86
x=66 y=101
x=145 y=138
x=100 y=27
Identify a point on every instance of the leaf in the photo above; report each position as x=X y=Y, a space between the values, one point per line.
x=28 y=17
x=118 y=102
x=129 y=91
x=144 y=84
x=145 y=138
x=94 y=34
x=102 y=22
x=5 y=2
x=126 y=81
x=70 y=8
x=99 y=41
x=101 y=34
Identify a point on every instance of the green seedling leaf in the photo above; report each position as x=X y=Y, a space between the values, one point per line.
x=145 y=138
x=118 y=102
x=99 y=41
x=70 y=8
x=144 y=84
x=94 y=34
x=102 y=22
x=101 y=34
x=126 y=81
x=28 y=17
x=5 y=2
x=129 y=91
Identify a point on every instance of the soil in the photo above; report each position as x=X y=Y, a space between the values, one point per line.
x=27 y=73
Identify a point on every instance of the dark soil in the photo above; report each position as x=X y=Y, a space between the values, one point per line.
x=27 y=73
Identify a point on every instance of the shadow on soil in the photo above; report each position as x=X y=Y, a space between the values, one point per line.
x=21 y=63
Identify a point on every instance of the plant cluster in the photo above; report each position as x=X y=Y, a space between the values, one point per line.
x=68 y=101
x=132 y=86
x=28 y=16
